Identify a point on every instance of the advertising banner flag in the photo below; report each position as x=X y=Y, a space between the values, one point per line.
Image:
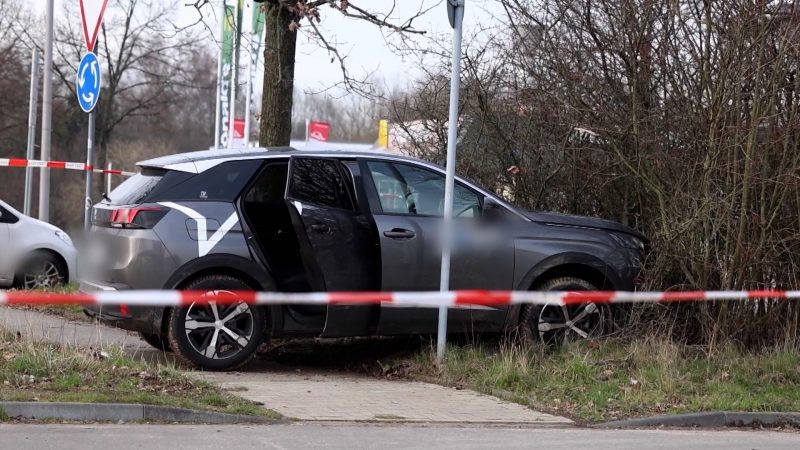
x=319 y=131
x=228 y=25
x=256 y=37
x=238 y=41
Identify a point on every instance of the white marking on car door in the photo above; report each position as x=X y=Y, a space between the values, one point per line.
x=204 y=243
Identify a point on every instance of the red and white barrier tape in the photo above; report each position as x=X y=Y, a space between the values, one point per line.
x=16 y=162
x=432 y=299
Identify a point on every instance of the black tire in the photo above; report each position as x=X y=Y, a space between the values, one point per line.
x=548 y=324
x=157 y=341
x=41 y=270
x=194 y=346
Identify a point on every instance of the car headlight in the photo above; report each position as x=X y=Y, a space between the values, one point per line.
x=64 y=237
x=628 y=241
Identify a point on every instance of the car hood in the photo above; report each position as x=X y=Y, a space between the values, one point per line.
x=567 y=220
x=30 y=221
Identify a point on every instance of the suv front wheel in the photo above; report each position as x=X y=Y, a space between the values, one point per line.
x=217 y=336
x=557 y=325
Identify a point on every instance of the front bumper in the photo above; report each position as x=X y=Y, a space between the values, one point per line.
x=143 y=319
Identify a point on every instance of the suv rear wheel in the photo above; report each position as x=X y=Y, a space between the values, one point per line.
x=217 y=336
x=557 y=325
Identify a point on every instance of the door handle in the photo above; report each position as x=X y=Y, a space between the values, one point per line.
x=399 y=233
x=320 y=228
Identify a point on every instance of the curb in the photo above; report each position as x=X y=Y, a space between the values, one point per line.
x=122 y=412
x=714 y=419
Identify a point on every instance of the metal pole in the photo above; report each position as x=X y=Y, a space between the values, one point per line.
x=89 y=172
x=218 y=119
x=452 y=136
x=251 y=54
x=248 y=91
x=108 y=178
x=33 y=105
x=234 y=70
x=47 y=115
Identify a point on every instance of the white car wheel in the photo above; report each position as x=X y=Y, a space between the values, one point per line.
x=41 y=271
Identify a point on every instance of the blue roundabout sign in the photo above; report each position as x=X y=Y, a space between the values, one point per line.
x=88 y=82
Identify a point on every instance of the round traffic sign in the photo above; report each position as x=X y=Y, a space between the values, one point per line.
x=88 y=82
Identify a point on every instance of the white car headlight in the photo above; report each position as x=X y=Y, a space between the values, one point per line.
x=64 y=237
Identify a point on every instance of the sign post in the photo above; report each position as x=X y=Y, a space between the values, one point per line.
x=88 y=87
x=87 y=212
x=88 y=90
x=455 y=12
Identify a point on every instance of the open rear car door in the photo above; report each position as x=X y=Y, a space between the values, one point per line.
x=337 y=241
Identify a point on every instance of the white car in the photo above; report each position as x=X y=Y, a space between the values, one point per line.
x=33 y=254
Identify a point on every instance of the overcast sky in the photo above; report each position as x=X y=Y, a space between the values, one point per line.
x=364 y=44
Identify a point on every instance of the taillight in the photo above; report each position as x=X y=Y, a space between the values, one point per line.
x=136 y=217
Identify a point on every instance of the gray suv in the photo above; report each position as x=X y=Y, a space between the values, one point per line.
x=292 y=221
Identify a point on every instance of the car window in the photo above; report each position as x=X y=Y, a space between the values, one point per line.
x=7 y=217
x=406 y=189
x=270 y=186
x=223 y=182
x=135 y=189
x=319 y=182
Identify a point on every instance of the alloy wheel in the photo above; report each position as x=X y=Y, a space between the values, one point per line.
x=42 y=275
x=219 y=331
x=561 y=324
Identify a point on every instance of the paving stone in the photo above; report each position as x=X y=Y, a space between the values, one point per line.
x=363 y=399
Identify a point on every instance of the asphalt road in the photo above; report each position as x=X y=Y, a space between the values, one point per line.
x=349 y=436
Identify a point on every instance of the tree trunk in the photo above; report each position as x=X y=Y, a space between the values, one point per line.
x=279 y=54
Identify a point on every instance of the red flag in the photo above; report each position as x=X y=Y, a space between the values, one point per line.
x=319 y=131
x=238 y=128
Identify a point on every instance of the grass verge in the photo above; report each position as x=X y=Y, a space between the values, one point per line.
x=69 y=312
x=601 y=381
x=38 y=371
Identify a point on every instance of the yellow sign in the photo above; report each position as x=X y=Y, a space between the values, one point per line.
x=383 y=134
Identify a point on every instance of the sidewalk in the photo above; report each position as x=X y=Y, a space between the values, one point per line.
x=303 y=396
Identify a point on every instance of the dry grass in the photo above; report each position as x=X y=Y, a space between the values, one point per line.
x=600 y=381
x=38 y=371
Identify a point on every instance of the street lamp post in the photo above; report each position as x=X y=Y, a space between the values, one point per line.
x=455 y=12
x=47 y=115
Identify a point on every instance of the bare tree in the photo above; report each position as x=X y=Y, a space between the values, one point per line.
x=678 y=118
x=15 y=60
x=146 y=62
x=283 y=19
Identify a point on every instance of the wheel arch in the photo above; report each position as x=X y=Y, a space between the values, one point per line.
x=246 y=270
x=572 y=264
x=46 y=250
